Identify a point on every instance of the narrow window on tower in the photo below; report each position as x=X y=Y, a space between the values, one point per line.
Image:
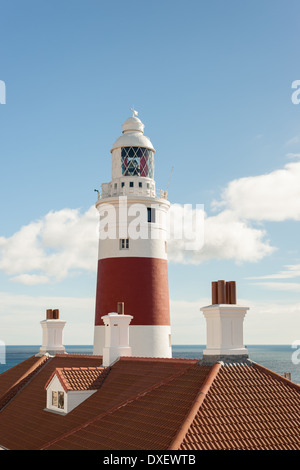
x=151 y=214
x=124 y=244
x=140 y=184
x=131 y=184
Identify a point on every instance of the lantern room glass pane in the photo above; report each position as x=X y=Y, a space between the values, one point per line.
x=137 y=161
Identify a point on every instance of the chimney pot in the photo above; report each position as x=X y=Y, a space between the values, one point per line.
x=228 y=297
x=214 y=293
x=221 y=292
x=56 y=314
x=232 y=292
x=120 y=308
x=49 y=314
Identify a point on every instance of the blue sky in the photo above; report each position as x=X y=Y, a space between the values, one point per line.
x=212 y=83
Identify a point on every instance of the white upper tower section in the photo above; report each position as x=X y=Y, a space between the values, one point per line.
x=132 y=162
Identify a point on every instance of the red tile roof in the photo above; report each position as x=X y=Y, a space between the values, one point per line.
x=247 y=407
x=79 y=378
x=157 y=404
x=25 y=424
x=15 y=382
x=148 y=420
x=11 y=376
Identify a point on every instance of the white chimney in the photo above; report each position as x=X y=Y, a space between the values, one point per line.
x=224 y=324
x=52 y=329
x=116 y=336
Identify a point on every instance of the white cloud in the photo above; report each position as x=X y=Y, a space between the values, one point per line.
x=225 y=237
x=281 y=286
x=293 y=155
x=21 y=316
x=271 y=197
x=265 y=322
x=66 y=241
x=30 y=279
x=291 y=271
x=49 y=249
x=293 y=140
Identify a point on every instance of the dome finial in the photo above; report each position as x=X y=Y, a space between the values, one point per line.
x=134 y=112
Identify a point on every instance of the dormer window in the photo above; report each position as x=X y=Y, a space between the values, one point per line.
x=69 y=387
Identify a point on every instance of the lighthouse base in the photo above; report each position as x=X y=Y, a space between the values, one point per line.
x=144 y=340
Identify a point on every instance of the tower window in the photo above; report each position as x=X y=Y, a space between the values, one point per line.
x=151 y=214
x=122 y=184
x=140 y=185
x=124 y=244
x=131 y=184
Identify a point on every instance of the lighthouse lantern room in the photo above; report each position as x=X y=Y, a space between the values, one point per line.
x=132 y=255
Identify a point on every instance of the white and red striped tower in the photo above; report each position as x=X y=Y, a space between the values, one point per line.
x=132 y=259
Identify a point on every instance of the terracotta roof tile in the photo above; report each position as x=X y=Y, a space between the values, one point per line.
x=80 y=378
x=149 y=420
x=24 y=423
x=20 y=381
x=247 y=407
x=11 y=376
x=154 y=404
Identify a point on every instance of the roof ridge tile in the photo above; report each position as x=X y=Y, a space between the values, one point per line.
x=178 y=439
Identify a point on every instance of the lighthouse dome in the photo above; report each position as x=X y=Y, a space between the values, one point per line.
x=133 y=124
x=133 y=135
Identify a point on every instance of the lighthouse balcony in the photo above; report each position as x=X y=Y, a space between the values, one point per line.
x=135 y=187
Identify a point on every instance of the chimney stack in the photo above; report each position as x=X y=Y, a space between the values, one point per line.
x=52 y=329
x=224 y=325
x=116 y=335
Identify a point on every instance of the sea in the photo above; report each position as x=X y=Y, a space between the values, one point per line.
x=278 y=358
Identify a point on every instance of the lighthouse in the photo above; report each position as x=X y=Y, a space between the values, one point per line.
x=132 y=254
